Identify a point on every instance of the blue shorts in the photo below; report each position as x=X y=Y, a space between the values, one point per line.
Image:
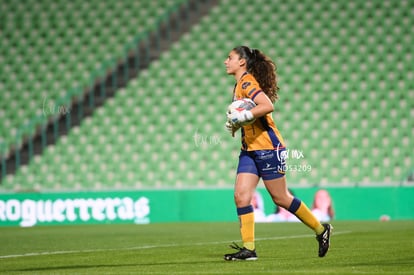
x=267 y=164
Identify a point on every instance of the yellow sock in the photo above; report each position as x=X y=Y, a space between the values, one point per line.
x=306 y=216
x=246 y=218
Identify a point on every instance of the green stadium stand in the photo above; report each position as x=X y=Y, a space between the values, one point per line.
x=346 y=101
x=51 y=47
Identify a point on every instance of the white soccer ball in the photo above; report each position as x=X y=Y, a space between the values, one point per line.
x=240 y=105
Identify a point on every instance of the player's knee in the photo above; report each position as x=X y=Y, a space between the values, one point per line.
x=242 y=199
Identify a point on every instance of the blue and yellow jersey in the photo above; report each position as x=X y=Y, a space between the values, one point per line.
x=263 y=133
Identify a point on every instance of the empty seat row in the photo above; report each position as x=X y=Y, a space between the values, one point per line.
x=343 y=123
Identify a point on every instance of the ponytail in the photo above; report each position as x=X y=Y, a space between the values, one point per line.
x=262 y=68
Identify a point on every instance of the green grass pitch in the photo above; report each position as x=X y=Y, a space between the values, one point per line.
x=197 y=248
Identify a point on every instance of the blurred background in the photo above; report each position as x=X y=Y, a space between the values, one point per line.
x=128 y=98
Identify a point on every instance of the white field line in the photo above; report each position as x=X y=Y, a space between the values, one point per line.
x=45 y=253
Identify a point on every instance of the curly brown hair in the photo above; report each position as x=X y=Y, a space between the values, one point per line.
x=262 y=68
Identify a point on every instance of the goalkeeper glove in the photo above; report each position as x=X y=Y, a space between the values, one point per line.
x=239 y=116
x=232 y=128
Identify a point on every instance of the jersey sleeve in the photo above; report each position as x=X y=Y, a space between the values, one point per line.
x=250 y=88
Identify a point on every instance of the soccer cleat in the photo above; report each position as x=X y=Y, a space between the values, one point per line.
x=324 y=240
x=242 y=254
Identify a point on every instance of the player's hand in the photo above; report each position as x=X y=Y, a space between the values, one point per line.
x=231 y=128
x=238 y=116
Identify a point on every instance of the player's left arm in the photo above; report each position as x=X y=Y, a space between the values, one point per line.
x=263 y=105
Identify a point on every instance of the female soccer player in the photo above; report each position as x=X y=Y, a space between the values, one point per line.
x=263 y=150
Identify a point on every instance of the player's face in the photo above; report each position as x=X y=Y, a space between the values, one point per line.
x=232 y=63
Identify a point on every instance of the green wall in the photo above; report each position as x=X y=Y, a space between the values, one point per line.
x=140 y=206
